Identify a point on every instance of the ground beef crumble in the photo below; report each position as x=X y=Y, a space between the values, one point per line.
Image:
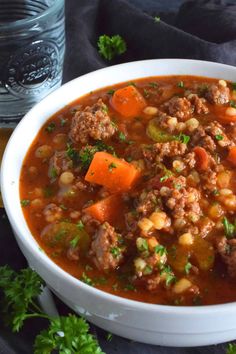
x=106 y=240
x=227 y=251
x=93 y=122
x=160 y=150
x=217 y=94
x=183 y=108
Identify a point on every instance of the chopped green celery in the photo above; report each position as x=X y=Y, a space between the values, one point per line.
x=64 y=235
x=156 y=133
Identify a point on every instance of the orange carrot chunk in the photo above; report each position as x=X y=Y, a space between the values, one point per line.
x=106 y=209
x=232 y=155
x=113 y=173
x=202 y=158
x=128 y=101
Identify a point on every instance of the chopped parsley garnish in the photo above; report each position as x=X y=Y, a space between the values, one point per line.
x=111 y=92
x=231 y=349
x=219 y=137
x=111 y=46
x=86 y=154
x=104 y=108
x=215 y=192
x=51 y=127
x=187 y=267
x=164 y=178
x=230 y=229
x=63 y=121
x=180 y=84
x=48 y=192
x=153 y=84
x=74 y=242
x=112 y=166
x=131 y=83
x=72 y=154
x=130 y=287
x=53 y=172
x=100 y=281
x=63 y=207
x=122 y=136
x=161 y=250
x=169 y=275
x=234 y=85
x=157 y=19
x=115 y=287
x=85 y=279
x=177 y=186
x=142 y=244
x=80 y=225
x=146 y=93
x=88 y=267
x=25 y=202
x=232 y=103
x=182 y=138
x=115 y=251
x=147 y=270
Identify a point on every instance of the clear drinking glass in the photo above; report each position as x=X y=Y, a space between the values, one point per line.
x=32 y=47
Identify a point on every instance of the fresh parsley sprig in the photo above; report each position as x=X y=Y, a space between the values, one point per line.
x=231 y=349
x=65 y=334
x=111 y=46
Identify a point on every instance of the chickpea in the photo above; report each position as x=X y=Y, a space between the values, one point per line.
x=230 y=111
x=223 y=179
x=172 y=122
x=178 y=165
x=222 y=83
x=230 y=202
x=145 y=224
x=33 y=171
x=44 y=152
x=66 y=178
x=60 y=140
x=158 y=219
x=186 y=239
x=181 y=126
x=215 y=211
x=181 y=286
x=192 y=124
x=150 y=110
x=36 y=203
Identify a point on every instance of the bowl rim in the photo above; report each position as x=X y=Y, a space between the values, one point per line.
x=56 y=269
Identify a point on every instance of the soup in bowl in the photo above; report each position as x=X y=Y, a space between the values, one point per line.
x=127 y=195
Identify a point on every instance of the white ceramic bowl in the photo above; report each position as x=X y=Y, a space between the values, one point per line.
x=155 y=324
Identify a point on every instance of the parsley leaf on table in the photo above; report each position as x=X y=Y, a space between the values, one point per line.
x=66 y=334
x=111 y=46
x=231 y=349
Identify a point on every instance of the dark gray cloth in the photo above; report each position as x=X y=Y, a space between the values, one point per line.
x=200 y=30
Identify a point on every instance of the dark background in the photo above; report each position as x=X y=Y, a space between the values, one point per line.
x=200 y=30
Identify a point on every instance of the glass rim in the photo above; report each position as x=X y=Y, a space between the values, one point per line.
x=13 y=25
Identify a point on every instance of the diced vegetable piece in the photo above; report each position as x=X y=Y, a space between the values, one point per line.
x=202 y=158
x=178 y=258
x=111 y=172
x=232 y=155
x=128 y=101
x=204 y=253
x=106 y=209
x=225 y=114
x=65 y=235
x=157 y=134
